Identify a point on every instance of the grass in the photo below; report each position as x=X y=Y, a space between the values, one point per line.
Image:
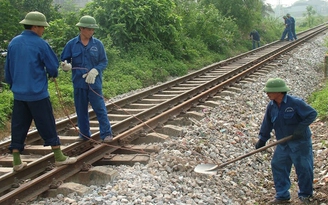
x=319 y=101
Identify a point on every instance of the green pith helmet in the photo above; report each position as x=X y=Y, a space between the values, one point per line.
x=87 y=22
x=275 y=85
x=35 y=18
x=284 y=17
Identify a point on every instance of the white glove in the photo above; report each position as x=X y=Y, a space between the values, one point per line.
x=66 y=66
x=91 y=76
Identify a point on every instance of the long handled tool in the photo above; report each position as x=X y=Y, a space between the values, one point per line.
x=212 y=168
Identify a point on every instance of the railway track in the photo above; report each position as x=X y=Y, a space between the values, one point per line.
x=135 y=119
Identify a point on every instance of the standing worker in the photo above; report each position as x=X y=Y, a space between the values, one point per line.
x=288 y=115
x=88 y=57
x=29 y=60
x=287 y=30
x=292 y=26
x=255 y=37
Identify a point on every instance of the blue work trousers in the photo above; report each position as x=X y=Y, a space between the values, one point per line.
x=281 y=164
x=256 y=43
x=23 y=113
x=287 y=32
x=82 y=97
x=293 y=32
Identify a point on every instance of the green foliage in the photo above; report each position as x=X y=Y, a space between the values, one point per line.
x=6 y=102
x=309 y=15
x=44 y=6
x=9 y=26
x=116 y=83
x=60 y=31
x=148 y=65
x=13 y=11
x=112 y=51
x=319 y=101
x=217 y=31
x=136 y=21
x=269 y=29
x=246 y=13
x=61 y=90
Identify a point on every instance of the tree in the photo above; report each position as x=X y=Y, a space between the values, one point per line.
x=131 y=21
x=206 y=23
x=61 y=30
x=246 y=13
x=9 y=27
x=309 y=15
x=266 y=10
x=44 y=6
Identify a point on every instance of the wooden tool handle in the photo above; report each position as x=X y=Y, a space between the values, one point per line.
x=256 y=151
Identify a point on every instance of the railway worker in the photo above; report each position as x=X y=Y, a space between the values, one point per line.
x=87 y=56
x=292 y=25
x=255 y=37
x=288 y=115
x=287 y=30
x=29 y=60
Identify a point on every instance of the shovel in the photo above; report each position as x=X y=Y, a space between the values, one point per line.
x=212 y=168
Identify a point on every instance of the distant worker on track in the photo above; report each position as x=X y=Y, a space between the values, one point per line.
x=29 y=62
x=292 y=25
x=87 y=55
x=255 y=37
x=288 y=115
x=287 y=30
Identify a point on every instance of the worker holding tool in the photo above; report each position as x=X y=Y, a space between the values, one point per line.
x=288 y=115
x=29 y=62
x=87 y=56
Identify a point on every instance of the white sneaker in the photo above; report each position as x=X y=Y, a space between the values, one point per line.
x=109 y=138
x=69 y=160
x=20 y=166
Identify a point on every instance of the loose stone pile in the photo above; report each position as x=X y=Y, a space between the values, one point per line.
x=227 y=131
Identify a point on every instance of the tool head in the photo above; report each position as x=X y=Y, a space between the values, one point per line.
x=206 y=169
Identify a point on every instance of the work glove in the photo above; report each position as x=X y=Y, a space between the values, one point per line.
x=91 y=76
x=299 y=132
x=260 y=144
x=66 y=66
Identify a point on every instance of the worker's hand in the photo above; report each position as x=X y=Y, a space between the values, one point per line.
x=91 y=76
x=260 y=144
x=299 y=132
x=66 y=66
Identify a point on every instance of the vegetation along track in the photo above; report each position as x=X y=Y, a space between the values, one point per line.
x=134 y=121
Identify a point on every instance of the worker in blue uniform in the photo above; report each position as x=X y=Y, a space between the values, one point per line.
x=292 y=25
x=288 y=115
x=255 y=37
x=287 y=31
x=86 y=57
x=29 y=62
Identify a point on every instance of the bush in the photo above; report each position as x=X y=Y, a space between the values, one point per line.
x=6 y=105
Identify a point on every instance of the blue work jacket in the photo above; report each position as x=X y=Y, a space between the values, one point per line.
x=29 y=60
x=83 y=59
x=285 y=119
